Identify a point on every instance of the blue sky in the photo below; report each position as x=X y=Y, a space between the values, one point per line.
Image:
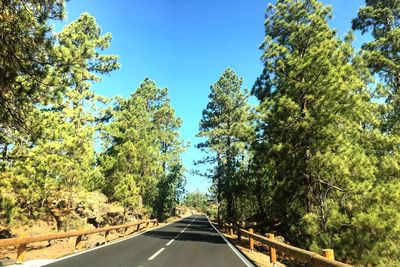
x=185 y=45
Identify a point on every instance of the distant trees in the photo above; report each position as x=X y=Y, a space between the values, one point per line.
x=196 y=200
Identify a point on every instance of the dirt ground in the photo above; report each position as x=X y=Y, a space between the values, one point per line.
x=259 y=256
x=63 y=247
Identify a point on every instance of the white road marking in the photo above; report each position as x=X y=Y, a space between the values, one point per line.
x=183 y=231
x=156 y=254
x=169 y=243
x=111 y=243
x=237 y=252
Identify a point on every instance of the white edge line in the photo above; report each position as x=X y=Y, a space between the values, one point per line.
x=170 y=242
x=108 y=244
x=156 y=254
x=237 y=252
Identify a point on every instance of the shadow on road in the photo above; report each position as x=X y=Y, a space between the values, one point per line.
x=198 y=231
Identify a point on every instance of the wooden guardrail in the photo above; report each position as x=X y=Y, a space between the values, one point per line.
x=22 y=242
x=327 y=259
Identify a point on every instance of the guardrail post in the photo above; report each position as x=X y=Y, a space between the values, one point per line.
x=78 y=243
x=107 y=236
x=21 y=254
x=138 y=227
x=239 y=235
x=147 y=224
x=272 y=251
x=251 y=240
x=329 y=254
x=231 y=229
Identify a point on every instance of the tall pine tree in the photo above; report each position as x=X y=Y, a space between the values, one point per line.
x=141 y=164
x=26 y=54
x=58 y=153
x=227 y=126
x=319 y=130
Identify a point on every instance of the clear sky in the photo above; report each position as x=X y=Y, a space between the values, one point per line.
x=185 y=45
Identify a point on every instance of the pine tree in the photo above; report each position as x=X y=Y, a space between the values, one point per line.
x=319 y=131
x=170 y=188
x=196 y=200
x=25 y=57
x=80 y=43
x=129 y=163
x=227 y=126
x=382 y=19
x=165 y=125
x=58 y=153
x=143 y=147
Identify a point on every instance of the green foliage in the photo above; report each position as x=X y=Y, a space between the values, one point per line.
x=45 y=87
x=381 y=18
x=59 y=150
x=323 y=158
x=170 y=192
x=317 y=161
x=197 y=201
x=130 y=155
x=226 y=124
x=140 y=165
x=323 y=170
x=25 y=53
x=141 y=162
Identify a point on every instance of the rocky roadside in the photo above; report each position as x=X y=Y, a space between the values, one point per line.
x=42 y=252
x=73 y=212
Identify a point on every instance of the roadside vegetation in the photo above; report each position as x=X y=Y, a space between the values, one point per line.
x=317 y=160
x=68 y=153
x=197 y=201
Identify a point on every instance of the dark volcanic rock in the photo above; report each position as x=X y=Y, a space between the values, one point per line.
x=5 y=233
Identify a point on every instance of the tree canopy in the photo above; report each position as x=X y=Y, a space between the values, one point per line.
x=316 y=159
x=319 y=155
x=51 y=134
x=26 y=56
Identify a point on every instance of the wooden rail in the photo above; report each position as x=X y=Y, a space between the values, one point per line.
x=312 y=258
x=21 y=242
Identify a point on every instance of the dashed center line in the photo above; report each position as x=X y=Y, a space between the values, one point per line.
x=156 y=254
x=170 y=242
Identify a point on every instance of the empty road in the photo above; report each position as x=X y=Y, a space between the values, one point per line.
x=189 y=242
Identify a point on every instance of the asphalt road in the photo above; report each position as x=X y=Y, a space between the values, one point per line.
x=189 y=242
